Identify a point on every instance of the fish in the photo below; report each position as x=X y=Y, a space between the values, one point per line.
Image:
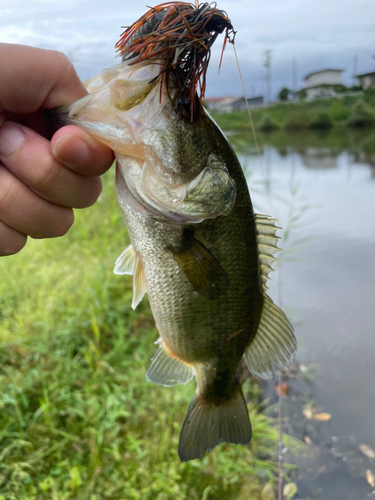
x=197 y=248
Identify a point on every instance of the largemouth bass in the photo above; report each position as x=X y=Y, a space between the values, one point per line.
x=197 y=248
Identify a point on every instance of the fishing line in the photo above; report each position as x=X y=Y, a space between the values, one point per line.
x=265 y=175
x=248 y=108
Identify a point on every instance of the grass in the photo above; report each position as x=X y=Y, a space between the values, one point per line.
x=78 y=420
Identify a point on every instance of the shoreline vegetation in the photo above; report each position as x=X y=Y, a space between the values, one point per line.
x=322 y=114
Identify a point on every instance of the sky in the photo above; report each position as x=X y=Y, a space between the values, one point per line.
x=316 y=34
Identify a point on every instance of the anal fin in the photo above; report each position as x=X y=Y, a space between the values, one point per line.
x=166 y=369
x=274 y=342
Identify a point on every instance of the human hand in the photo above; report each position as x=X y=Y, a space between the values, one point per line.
x=42 y=178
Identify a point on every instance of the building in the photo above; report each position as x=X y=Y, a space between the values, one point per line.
x=320 y=84
x=366 y=80
x=229 y=104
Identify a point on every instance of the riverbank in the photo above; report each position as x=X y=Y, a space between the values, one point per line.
x=349 y=111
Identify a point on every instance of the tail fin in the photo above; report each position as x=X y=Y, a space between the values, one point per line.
x=208 y=424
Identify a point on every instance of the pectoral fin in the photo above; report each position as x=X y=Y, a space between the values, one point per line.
x=168 y=370
x=199 y=265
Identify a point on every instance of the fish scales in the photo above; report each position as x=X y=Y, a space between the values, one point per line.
x=197 y=248
x=187 y=330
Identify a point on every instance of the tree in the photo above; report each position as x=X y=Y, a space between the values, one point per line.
x=284 y=94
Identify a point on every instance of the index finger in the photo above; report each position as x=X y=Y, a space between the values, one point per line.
x=33 y=78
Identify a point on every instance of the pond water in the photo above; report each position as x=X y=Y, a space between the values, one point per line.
x=321 y=188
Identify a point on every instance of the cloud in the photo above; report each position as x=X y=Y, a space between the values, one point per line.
x=318 y=34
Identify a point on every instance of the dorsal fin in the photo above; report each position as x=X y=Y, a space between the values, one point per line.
x=274 y=342
x=267 y=240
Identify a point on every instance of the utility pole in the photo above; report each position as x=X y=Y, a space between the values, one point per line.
x=355 y=65
x=267 y=65
x=294 y=76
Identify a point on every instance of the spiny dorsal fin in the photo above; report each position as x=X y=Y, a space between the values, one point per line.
x=274 y=342
x=267 y=240
x=125 y=263
x=168 y=370
x=129 y=262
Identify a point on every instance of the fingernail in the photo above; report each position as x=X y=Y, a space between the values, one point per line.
x=70 y=150
x=11 y=138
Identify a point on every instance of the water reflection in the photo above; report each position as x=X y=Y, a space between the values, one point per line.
x=319 y=158
x=320 y=187
x=315 y=147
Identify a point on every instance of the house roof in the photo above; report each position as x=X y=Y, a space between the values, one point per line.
x=229 y=100
x=365 y=74
x=323 y=71
x=226 y=100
